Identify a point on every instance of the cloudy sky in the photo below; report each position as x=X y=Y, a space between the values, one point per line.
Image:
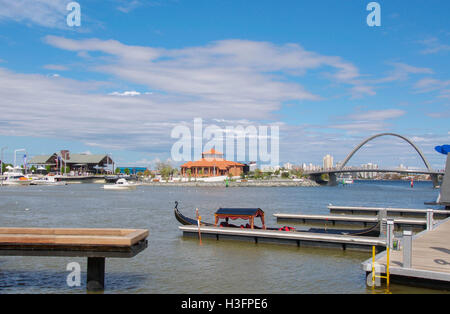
x=136 y=69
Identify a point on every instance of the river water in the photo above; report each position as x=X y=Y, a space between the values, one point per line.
x=173 y=264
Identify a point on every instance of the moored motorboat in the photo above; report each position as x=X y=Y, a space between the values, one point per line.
x=48 y=180
x=252 y=213
x=15 y=178
x=121 y=184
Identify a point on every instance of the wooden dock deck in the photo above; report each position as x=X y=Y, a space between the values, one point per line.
x=95 y=244
x=430 y=263
x=300 y=239
x=402 y=212
x=350 y=220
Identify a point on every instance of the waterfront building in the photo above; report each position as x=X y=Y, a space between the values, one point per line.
x=212 y=164
x=288 y=166
x=269 y=168
x=76 y=163
x=252 y=166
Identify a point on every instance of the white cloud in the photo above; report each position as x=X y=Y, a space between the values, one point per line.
x=429 y=84
x=433 y=45
x=127 y=93
x=402 y=71
x=369 y=121
x=47 y=13
x=378 y=115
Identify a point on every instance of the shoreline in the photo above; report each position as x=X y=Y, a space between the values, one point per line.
x=305 y=183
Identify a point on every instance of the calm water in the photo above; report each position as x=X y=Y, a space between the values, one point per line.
x=173 y=264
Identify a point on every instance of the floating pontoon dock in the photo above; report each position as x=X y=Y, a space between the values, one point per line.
x=349 y=220
x=402 y=212
x=423 y=259
x=95 y=244
x=299 y=239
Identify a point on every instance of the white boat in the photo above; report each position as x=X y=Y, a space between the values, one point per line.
x=48 y=180
x=15 y=178
x=121 y=184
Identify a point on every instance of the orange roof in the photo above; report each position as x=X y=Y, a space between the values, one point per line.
x=208 y=162
x=212 y=151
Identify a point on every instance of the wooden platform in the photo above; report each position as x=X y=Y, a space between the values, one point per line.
x=295 y=238
x=430 y=258
x=332 y=220
x=95 y=244
x=402 y=212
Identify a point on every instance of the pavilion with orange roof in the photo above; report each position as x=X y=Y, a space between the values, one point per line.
x=212 y=164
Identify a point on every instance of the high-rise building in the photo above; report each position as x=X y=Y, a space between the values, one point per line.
x=328 y=162
x=368 y=175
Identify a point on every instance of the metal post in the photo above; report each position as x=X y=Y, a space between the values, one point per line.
x=407 y=248
x=390 y=233
x=430 y=220
x=382 y=216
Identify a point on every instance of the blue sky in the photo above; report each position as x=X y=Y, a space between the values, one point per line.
x=134 y=70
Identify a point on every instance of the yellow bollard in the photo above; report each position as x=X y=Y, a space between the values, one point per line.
x=373 y=266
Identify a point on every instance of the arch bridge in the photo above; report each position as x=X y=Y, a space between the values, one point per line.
x=317 y=175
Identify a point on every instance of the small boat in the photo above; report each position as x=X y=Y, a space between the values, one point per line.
x=15 y=178
x=121 y=184
x=48 y=180
x=252 y=213
x=347 y=181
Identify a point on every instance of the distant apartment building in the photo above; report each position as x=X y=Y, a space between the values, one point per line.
x=368 y=175
x=310 y=167
x=328 y=162
x=288 y=166
x=252 y=166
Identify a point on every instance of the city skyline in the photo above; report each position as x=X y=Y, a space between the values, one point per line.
x=133 y=71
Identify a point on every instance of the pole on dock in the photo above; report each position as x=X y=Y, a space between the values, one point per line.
x=390 y=233
x=382 y=216
x=430 y=220
x=199 y=219
x=407 y=248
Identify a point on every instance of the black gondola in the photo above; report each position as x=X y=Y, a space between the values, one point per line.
x=369 y=232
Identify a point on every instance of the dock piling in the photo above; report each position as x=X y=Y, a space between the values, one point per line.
x=407 y=249
x=96 y=273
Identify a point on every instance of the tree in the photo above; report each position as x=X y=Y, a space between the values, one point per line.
x=285 y=175
x=189 y=174
x=165 y=169
x=117 y=171
x=4 y=167
x=127 y=171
